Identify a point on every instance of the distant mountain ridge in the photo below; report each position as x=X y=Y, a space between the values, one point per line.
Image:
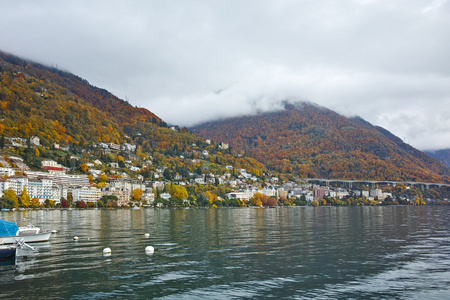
x=443 y=155
x=313 y=141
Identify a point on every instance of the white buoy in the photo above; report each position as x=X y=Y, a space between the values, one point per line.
x=106 y=250
x=147 y=235
x=149 y=250
x=75 y=238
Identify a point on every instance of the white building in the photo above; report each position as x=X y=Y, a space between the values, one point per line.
x=17 y=183
x=238 y=195
x=40 y=188
x=7 y=171
x=4 y=185
x=269 y=191
x=34 y=140
x=62 y=179
x=127 y=184
x=87 y=194
x=129 y=147
x=58 y=192
x=148 y=195
x=165 y=196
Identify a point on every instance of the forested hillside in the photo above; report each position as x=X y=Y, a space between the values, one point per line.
x=311 y=141
x=59 y=107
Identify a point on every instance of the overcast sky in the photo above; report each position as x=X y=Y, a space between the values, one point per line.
x=192 y=61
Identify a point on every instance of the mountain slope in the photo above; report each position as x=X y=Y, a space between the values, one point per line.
x=311 y=141
x=442 y=155
x=62 y=108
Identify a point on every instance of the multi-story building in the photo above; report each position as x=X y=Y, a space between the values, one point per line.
x=17 y=183
x=7 y=171
x=127 y=184
x=4 y=185
x=87 y=194
x=148 y=195
x=62 y=179
x=58 y=192
x=318 y=193
x=40 y=188
x=123 y=195
x=237 y=195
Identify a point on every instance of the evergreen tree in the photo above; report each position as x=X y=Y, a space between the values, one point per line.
x=2 y=141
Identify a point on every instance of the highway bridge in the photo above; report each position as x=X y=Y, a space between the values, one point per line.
x=373 y=183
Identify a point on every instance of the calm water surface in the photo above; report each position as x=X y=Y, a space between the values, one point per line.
x=293 y=253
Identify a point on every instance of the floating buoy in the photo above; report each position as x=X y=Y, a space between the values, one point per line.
x=147 y=235
x=149 y=250
x=75 y=238
x=106 y=250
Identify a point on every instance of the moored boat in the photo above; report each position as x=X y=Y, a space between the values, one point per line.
x=9 y=233
x=7 y=251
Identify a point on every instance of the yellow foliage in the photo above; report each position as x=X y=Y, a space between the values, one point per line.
x=84 y=168
x=137 y=194
x=103 y=178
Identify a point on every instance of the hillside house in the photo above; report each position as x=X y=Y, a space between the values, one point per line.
x=34 y=140
x=129 y=147
x=114 y=146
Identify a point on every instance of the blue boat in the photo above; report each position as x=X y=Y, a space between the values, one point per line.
x=7 y=252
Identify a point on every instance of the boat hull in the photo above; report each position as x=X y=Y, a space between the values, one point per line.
x=35 y=238
x=7 y=252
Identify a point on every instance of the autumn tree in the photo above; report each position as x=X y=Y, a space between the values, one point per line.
x=11 y=195
x=257 y=199
x=25 y=199
x=202 y=200
x=210 y=196
x=137 y=194
x=103 y=178
x=179 y=192
x=120 y=161
x=70 y=199
x=49 y=203
x=84 y=168
x=64 y=203
x=35 y=202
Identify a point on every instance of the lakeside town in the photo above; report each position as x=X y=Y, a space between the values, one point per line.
x=117 y=181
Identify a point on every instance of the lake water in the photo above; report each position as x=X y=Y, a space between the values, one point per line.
x=398 y=252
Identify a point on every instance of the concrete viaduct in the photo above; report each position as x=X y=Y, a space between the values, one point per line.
x=373 y=183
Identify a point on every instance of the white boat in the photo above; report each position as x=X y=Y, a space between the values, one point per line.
x=9 y=252
x=10 y=233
